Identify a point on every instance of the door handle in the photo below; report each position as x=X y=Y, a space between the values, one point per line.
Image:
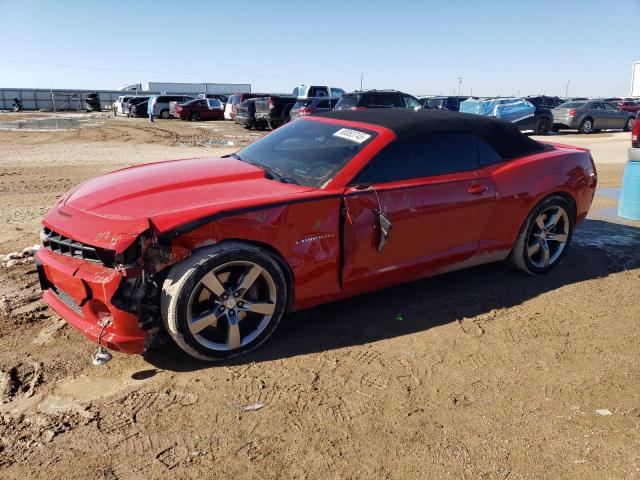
x=477 y=189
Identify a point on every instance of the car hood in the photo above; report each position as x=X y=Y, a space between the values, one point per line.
x=165 y=195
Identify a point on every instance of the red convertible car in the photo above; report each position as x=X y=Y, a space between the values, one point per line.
x=217 y=250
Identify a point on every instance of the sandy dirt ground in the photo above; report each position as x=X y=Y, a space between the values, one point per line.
x=486 y=374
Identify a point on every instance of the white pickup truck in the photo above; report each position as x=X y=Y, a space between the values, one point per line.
x=316 y=91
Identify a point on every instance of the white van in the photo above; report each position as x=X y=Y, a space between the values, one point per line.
x=118 y=104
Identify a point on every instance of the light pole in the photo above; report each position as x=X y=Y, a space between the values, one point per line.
x=459 y=85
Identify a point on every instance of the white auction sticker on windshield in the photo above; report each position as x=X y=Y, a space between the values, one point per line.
x=353 y=135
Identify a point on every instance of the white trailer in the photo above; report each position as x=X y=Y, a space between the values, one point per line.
x=215 y=88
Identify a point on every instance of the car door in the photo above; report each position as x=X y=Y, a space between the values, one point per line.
x=600 y=119
x=213 y=108
x=429 y=189
x=616 y=117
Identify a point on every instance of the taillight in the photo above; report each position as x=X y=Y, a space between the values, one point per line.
x=304 y=111
x=572 y=112
x=271 y=104
x=358 y=108
x=636 y=130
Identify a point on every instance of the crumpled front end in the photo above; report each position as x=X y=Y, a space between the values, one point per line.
x=87 y=271
x=81 y=292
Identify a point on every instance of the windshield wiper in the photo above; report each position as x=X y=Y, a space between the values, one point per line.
x=274 y=174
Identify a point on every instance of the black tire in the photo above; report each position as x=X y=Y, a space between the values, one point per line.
x=543 y=126
x=259 y=126
x=629 y=125
x=194 y=117
x=586 y=126
x=165 y=114
x=185 y=277
x=555 y=128
x=520 y=257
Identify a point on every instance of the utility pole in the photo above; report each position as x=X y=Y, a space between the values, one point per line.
x=361 y=77
x=566 y=91
x=459 y=85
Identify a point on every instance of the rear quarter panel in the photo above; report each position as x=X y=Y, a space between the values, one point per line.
x=522 y=183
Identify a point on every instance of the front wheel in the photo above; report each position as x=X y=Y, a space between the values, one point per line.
x=224 y=300
x=545 y=236
x=586 y=126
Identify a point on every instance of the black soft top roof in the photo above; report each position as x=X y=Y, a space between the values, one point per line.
x=504 y=137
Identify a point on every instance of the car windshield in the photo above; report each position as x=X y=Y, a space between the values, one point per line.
x=306 y=152
x=572 y=105
x=435 y=103
x=347 y=101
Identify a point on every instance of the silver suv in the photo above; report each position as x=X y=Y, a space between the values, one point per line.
x=591 y=115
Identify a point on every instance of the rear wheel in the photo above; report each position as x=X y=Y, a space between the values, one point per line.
x=543 y=126
x=165 y=114
x=545 y=236
x=629 y=125
x=224 y=301
x=586 y=126
x=195 y=116
x=259 y=126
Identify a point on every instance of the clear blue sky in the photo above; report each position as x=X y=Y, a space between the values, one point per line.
x=498 y=47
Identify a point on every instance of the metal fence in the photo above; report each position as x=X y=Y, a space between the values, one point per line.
x=61 y=99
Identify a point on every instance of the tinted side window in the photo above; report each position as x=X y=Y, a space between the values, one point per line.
x=323 y=104
x=486 y=154
x=382 y=100
x=411 y=102
x=422 y=156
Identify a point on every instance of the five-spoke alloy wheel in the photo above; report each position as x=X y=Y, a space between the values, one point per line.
x=224 y=300
x=545 y=236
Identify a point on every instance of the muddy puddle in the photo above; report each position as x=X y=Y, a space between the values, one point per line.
x=52 y=124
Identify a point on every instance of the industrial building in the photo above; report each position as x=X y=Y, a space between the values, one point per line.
x=74 y=99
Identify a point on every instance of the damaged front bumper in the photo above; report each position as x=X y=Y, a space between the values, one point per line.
x=82 y=293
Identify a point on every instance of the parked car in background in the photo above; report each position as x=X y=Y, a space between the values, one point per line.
x=544 y=101
x=317 y=91
x=377 y=99
x=590 y=116
x=200 y=109
x=311 y=106
x=118 y=105
x=160 y=104
x=218 y=250
x=541 y=122
x=246 y=113
x=445 y=103
x=223 y=98
x=139 y=109
x=629 y=105
x=129 y=107
x=231 y=107
x=272 y=111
